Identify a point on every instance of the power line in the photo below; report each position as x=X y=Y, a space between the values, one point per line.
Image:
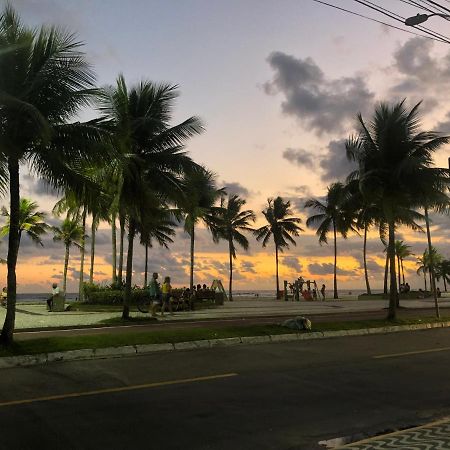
x=443 y=8
x=392 y=16
x=377 y=21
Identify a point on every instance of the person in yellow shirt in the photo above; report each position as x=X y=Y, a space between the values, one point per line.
x=166 y=290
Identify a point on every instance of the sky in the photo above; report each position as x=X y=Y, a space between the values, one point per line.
x=278 y=85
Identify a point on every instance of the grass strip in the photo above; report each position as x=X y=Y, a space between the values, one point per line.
x=58 y=343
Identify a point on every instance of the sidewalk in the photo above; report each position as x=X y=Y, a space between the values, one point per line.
x=36 y=316
x=432 y=436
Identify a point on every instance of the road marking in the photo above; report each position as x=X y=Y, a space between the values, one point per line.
x=418 y=352
x=117 y=389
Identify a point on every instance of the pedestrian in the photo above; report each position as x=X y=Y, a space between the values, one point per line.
x=154 y=291
x=322 y=291
x=4 y=296
x=438 y=292
x=314 y=292
x=55 y=291
x=166 y=292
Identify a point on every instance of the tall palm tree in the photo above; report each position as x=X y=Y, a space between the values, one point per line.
x=70 y=233
x=334 y=214
x=281 y=226
x=232 y=221
x=422 y=263
x=160 y=228
x=443 y=271
x=396 y=171
x=31 y=221
x=197 y=204
x=151 y=153
x=44 y=80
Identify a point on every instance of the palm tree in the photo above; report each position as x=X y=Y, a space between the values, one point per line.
x=31 y=221
x=160 y=228
x=402 y=251
x=197 y=204
x=70 y=233
x=232 y=221
x=281 y=227
x=422 y=263
x=151 y=152
x=443 y=271
x=44 y=82
x=396 y=173
x=334 y=214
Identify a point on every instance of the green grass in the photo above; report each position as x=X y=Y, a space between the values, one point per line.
x=56 y=344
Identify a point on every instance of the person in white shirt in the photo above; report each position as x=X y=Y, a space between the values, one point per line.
x=55 y=291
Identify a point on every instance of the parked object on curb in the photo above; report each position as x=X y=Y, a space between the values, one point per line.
x=298 y=323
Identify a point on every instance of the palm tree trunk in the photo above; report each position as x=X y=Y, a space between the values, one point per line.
x=425 y=278
x=393 y=294
x=122 y=237
x=191 y=276
x=366 y=275
x=127 y=296
x=398 y=287
x=230 y=286
x=66 y=265
x=432 y=280
x=386 y=271
x=276 y=271
x=82 y=251
x=403 y=270
x=114 y=248
x=7 y=334
x=91 y=271
x=335 y=261
x=445 y=285
x=146 y=265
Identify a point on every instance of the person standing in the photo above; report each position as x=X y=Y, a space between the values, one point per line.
x=55 y=291
x=322 y=291
x=166 y=293
x=4 y=296
x=154 y=291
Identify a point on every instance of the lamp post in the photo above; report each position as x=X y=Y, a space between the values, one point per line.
x=421 y=18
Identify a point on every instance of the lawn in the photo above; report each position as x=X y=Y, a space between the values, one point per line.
x=56 y=344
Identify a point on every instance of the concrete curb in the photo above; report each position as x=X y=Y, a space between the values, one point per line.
x=118 y=352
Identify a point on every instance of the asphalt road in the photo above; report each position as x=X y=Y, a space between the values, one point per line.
x=403 y=313
x=271 y=396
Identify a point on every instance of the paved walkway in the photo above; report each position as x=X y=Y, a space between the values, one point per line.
x=36 y=315
x=433 y=436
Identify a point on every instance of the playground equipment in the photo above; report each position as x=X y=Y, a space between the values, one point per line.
x=296 y=289
x=218 y=286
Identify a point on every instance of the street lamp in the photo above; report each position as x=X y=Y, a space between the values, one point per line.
x=421 y=18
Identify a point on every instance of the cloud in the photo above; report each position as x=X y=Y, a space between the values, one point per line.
x=247 y=267
x=327 y=269
x=334 y=163
x=292 y=262
x=299 y=157
x=324 y=105
x=235 y=188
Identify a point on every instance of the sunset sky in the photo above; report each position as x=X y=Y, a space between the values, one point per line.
x=278 y=84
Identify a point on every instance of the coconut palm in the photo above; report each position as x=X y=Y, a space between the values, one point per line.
x=158 y=228
x=395 y=171
x=281 y=227
x=334 y=214
x=443 y=271
x=232 y=221
x=197 y=204
x=43 y=83
x=70 y=233
x=31 y=221
x=422 y=263
x=402 y=251
x=151 y=153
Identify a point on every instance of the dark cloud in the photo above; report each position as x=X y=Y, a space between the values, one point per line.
x=299 y=157
x=247 y=266
x=324 y=105
x=327 y=269
x=292 y=262
x=235 y=188
x=334 y=163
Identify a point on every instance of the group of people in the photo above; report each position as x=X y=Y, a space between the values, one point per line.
x=308 y=293
x=404 y=288
x=160 y=295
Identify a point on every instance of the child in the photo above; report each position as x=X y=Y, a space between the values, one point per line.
x=166 y=289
